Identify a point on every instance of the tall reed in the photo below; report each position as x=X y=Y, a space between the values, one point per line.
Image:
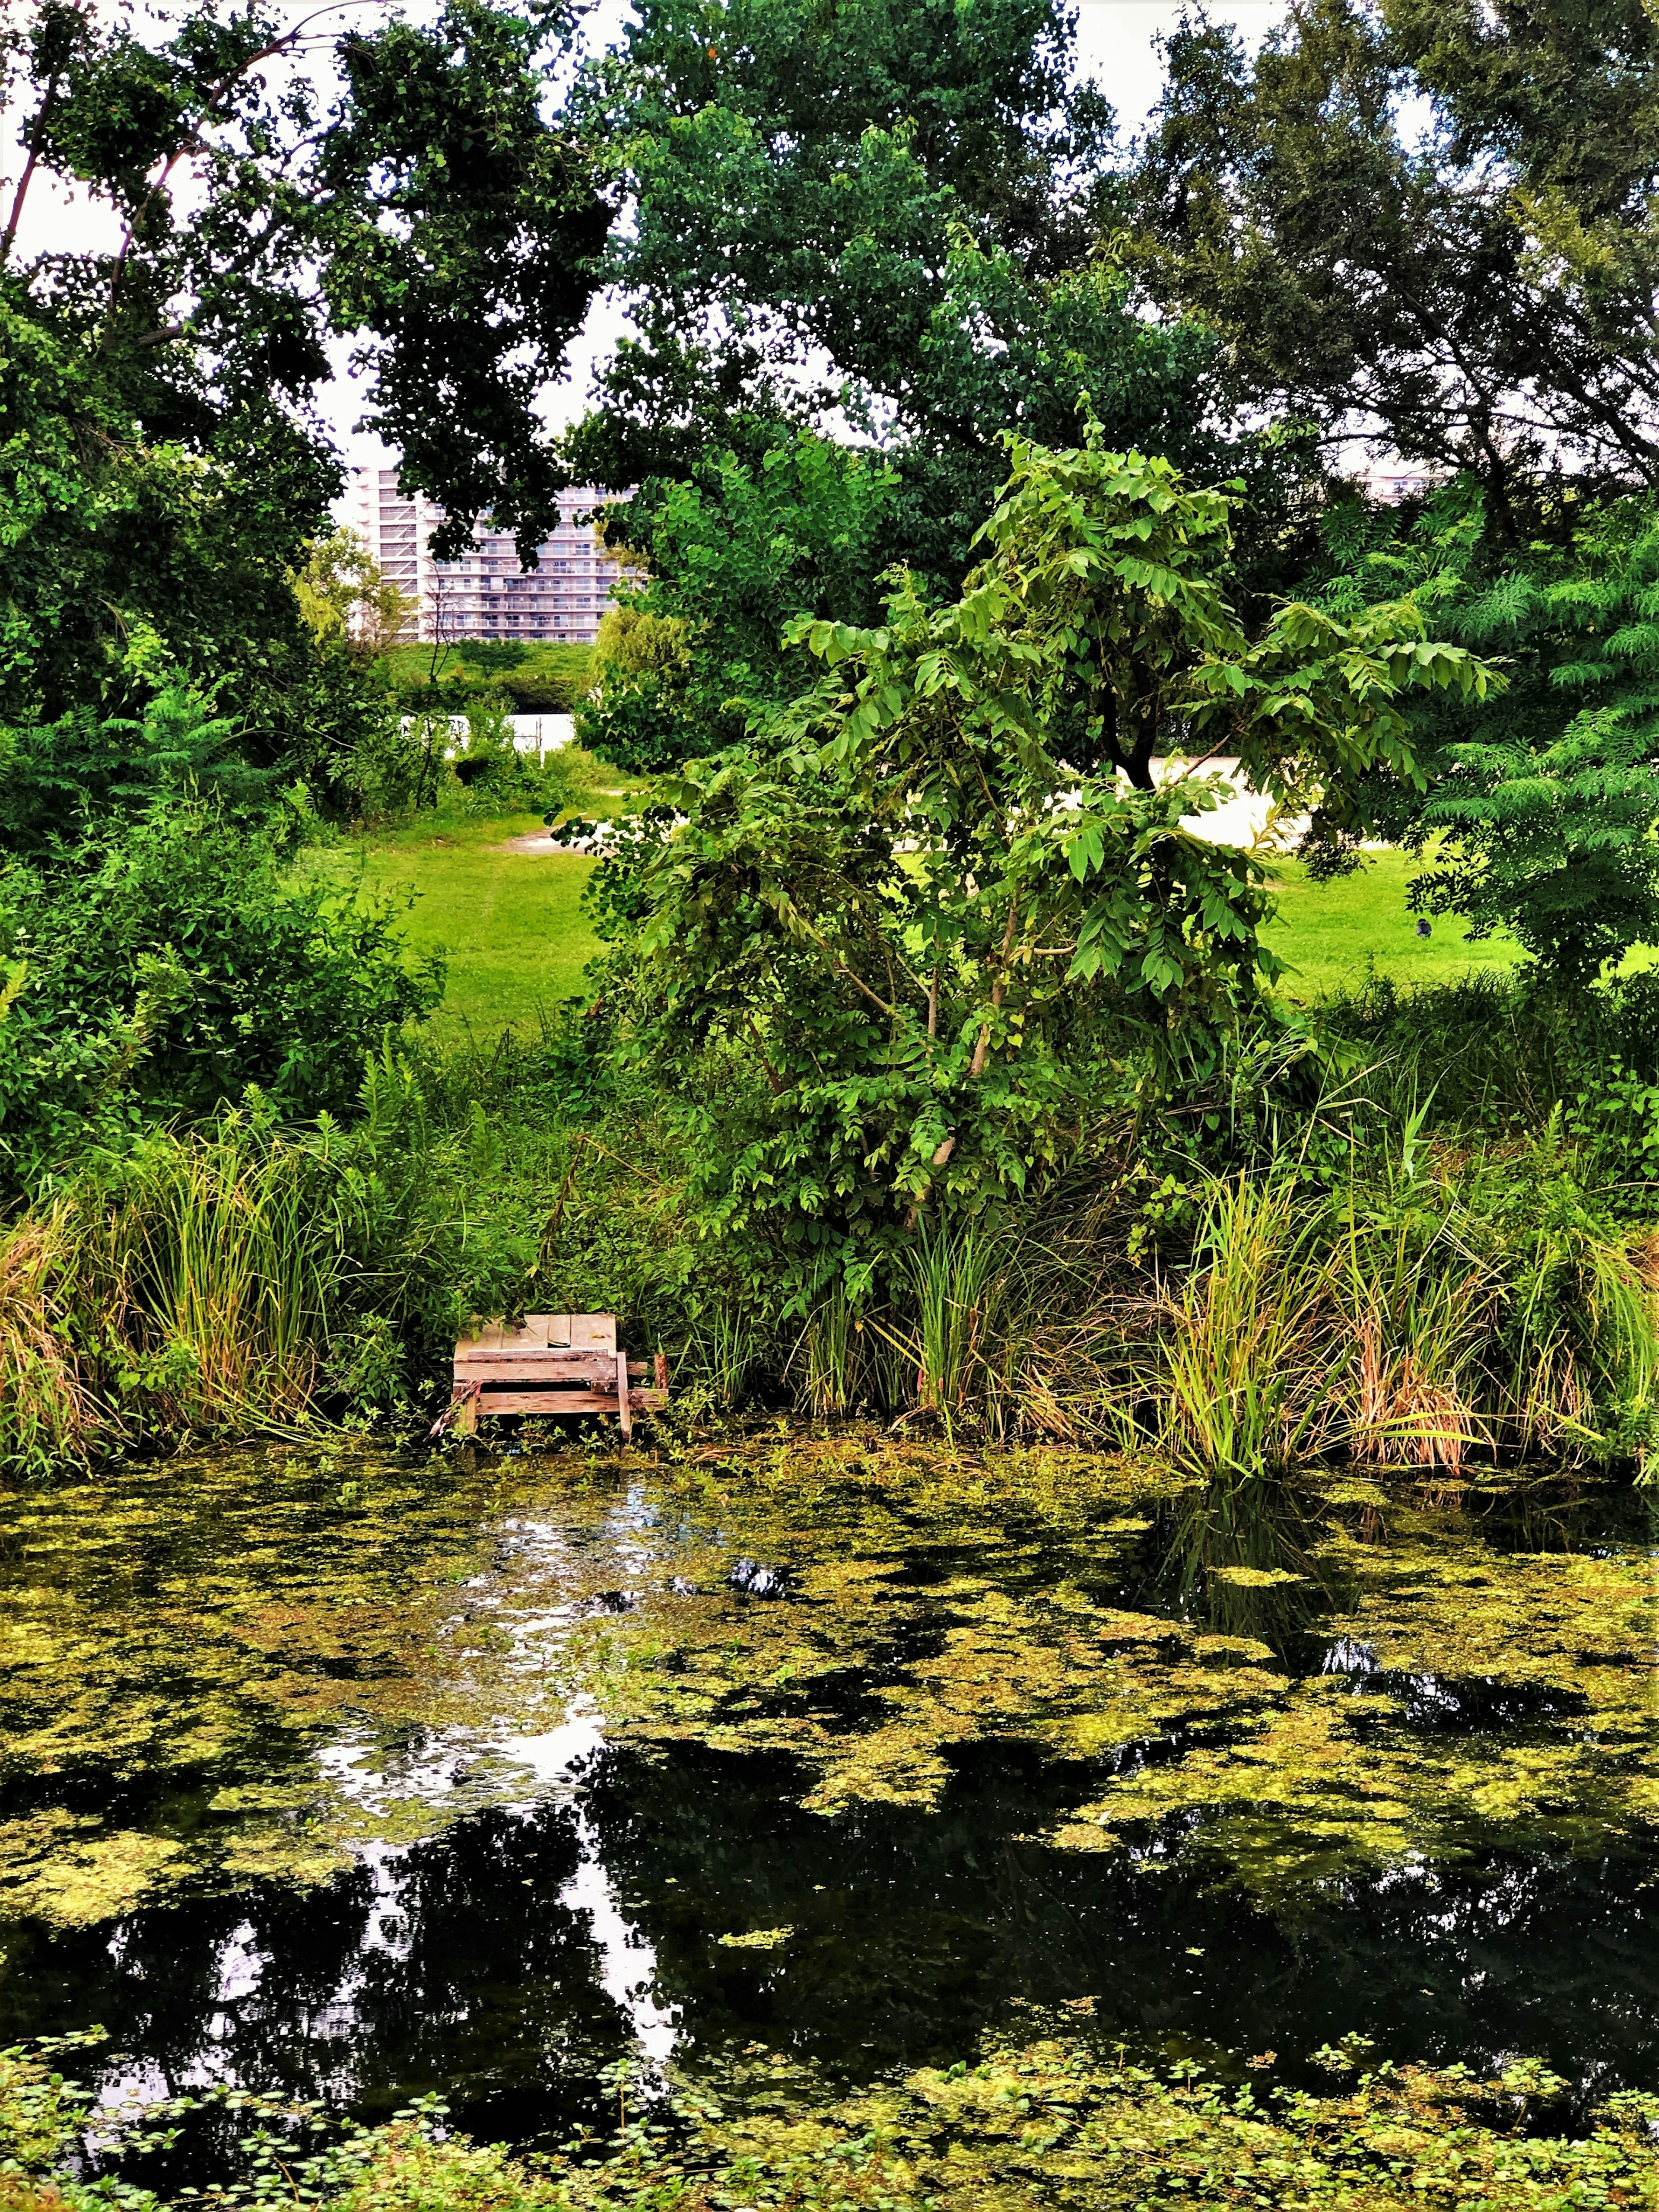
x=1243 y=1373
x=207 y=1269
x=1412 y=1324
x=47 y=1414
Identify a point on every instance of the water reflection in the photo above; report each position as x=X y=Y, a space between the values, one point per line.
x=618 y=1774
x=510 y=1960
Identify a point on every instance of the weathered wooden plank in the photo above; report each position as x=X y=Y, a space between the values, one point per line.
x=487 y=1366
x=568 y=1402
x=508 y=1366
x=623 y=1410
x=549 y=1332
x=463 y=1409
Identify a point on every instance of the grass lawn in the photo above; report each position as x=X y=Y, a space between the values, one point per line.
x=511 y=927
x=510 y=924
x=1327 y=932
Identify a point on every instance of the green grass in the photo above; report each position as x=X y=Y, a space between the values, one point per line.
x=1327 y=932
x=546 y=668
x=510 y=924
x=511 y=927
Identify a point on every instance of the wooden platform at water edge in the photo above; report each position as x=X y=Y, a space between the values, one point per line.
x=554 y=1364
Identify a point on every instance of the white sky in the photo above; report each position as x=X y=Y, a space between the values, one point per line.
x=1115 y=45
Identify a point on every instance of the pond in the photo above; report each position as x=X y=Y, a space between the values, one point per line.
x=354 y=1776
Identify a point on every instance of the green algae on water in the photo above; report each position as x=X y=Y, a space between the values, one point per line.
x=1050 y=2117
x=247 y=1665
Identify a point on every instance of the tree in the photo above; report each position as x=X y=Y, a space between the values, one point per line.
x=734 y=556
x=888 y=214
x=1538 y=812
x=1481 y=295
x=942 y=884
x=162 y=473
x=345 y=600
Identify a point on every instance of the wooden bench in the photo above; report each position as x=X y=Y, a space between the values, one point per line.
x=552 y=1364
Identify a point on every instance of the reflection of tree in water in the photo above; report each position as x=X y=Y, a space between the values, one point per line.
x=460 y=1964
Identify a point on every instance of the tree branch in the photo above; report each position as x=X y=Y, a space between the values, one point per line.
x=37 y=140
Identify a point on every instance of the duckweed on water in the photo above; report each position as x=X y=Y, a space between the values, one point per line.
x=251 y=1665
x=1053 y=2120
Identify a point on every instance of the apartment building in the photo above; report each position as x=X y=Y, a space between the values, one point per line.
x=487 y=594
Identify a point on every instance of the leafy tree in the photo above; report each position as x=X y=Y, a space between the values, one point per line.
x=734 y=554
x=635 y=715
x=1538 y=812
x=887 y=214
x=943 y=885
x=160 y=471
x=345 y=600
x=1479 y=289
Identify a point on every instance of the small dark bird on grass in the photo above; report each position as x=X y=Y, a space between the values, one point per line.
x=1425 y=929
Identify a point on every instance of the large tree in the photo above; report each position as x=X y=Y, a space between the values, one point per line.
x=272 y=188
x=943 y=885
x=886 y=214
x=1431 y=221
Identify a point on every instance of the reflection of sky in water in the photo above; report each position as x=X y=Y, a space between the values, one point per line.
x=529 y=1900
x=512 y=1768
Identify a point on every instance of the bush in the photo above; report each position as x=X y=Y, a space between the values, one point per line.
x=496 y=777
x=167 y=964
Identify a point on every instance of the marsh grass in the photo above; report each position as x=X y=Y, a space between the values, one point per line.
x=1244 y=1382
x=46 y=1413
x=206 y=1274
x=1452 y=1310
x=965 y=1299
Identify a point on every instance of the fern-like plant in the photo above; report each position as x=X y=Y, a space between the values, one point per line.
x=1537 y=808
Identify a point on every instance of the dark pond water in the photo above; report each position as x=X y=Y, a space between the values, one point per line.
x=359 y=1778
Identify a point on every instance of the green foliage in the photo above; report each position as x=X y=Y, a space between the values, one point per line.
x=87 y=773
x=1537 y=813
x=494 y=777
x=920 y=914
x=895 y=219
x=1432 y=223
x=169 y=963
x=735 y=555
x=344 y=599
x=635 y=714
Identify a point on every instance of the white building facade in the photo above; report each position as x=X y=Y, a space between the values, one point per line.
x=487 y=594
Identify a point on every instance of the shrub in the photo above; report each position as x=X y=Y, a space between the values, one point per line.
x=496 y=777
x=635 y=714
x=166 y=964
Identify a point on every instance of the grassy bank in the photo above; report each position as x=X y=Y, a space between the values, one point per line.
x=512 y=929
x=1332 y=934
x=546 y=678
x=1324 y=1278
